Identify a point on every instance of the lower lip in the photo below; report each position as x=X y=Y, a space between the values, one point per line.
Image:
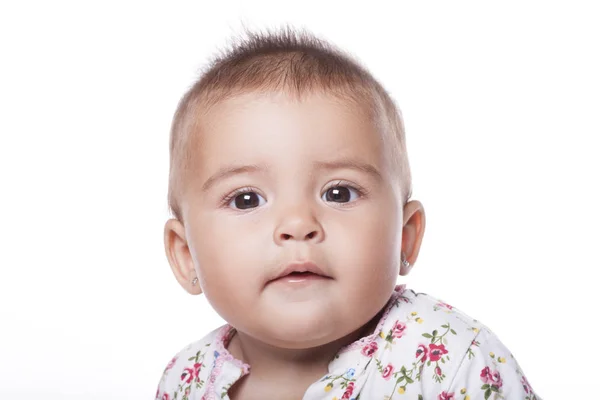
x=300 y=279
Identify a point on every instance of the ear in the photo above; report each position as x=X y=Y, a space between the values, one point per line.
x=412 y=233
x=180 y=259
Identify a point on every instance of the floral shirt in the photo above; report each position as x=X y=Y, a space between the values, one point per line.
x=421 y=349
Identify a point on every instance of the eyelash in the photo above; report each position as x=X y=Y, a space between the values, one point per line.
x=227 y=199
x=362 y=192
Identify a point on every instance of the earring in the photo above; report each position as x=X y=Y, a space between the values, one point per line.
x=405 y=263
x=194 y=281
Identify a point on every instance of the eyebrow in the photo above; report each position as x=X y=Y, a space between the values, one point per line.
x=228 y=171
x=349 y=163
x=345 y=163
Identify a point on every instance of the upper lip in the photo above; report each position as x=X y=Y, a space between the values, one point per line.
x=305 y=266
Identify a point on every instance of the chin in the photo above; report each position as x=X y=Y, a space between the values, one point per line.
x=302 y=328
x=298 y=342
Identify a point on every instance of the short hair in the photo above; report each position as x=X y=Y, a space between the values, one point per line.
x=288 y=60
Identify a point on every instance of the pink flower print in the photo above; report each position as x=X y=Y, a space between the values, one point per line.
x=157 y=392
x=348 y=391
x=446 y=396
x=441 y=304
x=485 y=375
x=491 y=377
x=171 y=363
x=166 y=396
x=197 y=367
x=387 y=372
x=496 y=379
x=526 y=385
x=422 y=352
x=369 y=349
x=438 y=371
x=187 y=373
x=398 y=329
x=191 y=373
x=436 y=351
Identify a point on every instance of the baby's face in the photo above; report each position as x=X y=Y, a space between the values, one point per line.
x=279 y=181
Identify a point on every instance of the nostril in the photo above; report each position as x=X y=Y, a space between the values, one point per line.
x=287 y=236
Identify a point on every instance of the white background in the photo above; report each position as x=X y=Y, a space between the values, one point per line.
x=501 y=108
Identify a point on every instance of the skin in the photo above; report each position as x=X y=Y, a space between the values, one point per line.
x=290 y=333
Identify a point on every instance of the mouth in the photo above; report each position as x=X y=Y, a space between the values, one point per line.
x=301 y=272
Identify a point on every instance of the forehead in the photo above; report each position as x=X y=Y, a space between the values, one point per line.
x=278 y=129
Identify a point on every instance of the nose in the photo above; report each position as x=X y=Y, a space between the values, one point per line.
x=299 y=224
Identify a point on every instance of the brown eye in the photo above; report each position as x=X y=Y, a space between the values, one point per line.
x=339 y=194
x=246 y=201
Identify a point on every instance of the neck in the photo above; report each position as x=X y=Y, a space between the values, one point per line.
x=274 y=361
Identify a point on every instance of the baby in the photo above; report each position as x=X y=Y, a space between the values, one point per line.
x=290 y=189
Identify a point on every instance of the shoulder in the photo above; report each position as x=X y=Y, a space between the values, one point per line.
x=188 y=368
x=428 y=320
x=428 y=334
x=422 y=339
x=450 y=352
x=489 y=367
x=429 y=311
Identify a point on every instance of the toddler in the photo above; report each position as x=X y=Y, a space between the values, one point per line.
x=291 y=195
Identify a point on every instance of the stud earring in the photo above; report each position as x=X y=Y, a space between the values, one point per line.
x=405 y=263
x=194 y=281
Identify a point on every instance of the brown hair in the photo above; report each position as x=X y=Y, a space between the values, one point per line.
x=287 y=60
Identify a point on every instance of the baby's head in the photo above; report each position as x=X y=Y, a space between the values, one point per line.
x=284 y=152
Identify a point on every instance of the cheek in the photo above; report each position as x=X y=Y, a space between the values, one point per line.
x=373 y=251
x=227 y=263
x=370 y=242
x=228 y=251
